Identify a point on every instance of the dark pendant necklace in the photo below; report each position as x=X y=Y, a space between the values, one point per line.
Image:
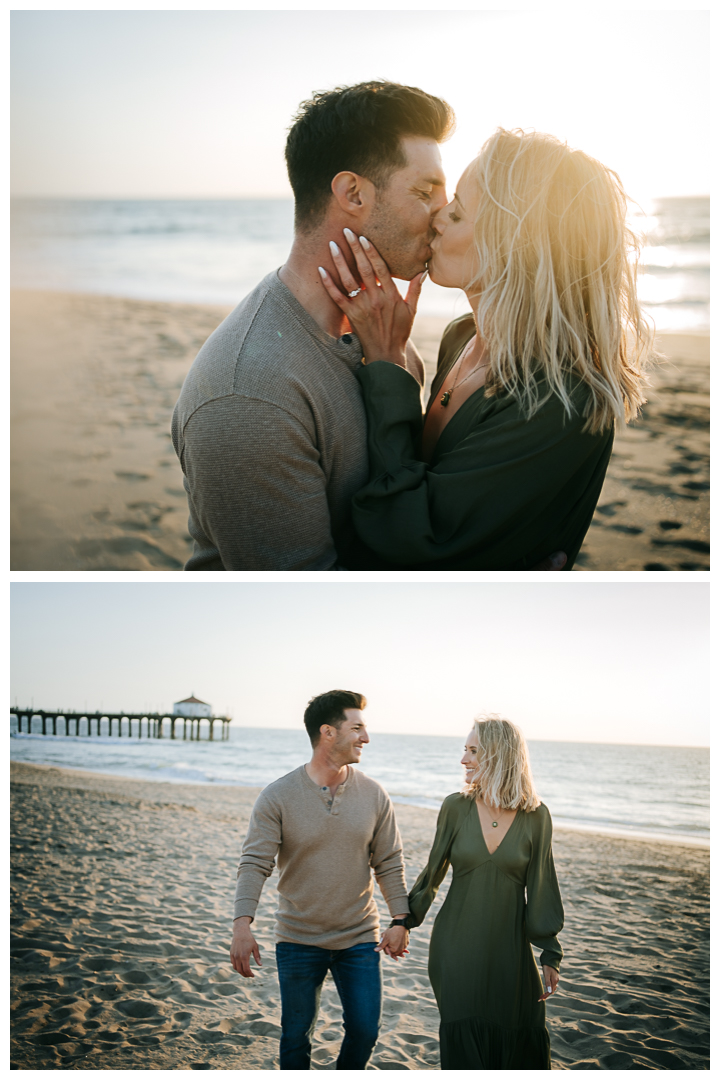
x=445 y=399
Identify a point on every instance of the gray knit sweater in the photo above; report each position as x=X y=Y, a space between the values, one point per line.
x=325 y=850
x=270 y=431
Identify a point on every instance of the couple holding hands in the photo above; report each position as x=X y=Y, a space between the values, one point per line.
x=300 y=426
x=329 y=827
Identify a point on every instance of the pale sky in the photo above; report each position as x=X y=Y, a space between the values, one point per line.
x=591 y=662
x=195 y=103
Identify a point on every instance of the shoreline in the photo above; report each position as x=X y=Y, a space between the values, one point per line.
x=121 y=912
x=675 y=840
x=96 y=484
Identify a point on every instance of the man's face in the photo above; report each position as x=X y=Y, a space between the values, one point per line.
x=351 y=737
x=400 y=223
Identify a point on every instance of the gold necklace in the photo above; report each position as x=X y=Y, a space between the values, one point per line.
x=493 y=823
x=445 y=399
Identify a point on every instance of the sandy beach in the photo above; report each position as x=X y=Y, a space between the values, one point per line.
x=96 y=484
x=121 y=908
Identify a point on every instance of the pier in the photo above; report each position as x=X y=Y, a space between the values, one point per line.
x=155 y=724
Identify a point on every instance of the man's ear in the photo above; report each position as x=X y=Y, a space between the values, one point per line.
x=354 y=194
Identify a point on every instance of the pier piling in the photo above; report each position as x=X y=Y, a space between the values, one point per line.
x=153 y=723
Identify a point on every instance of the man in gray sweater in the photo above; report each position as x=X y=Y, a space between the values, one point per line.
x=270 y=428
x=328 y=826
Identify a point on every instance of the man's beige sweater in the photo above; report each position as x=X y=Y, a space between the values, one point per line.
x=325 y=850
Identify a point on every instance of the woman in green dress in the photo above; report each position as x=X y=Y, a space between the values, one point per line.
x=508 y=463
x=497 y=836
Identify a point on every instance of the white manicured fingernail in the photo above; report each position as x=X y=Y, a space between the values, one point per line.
x=549 y=989
x=424 y=276
x=323 y=272
x=349 y=235
x=334 y=248
x=365 y=243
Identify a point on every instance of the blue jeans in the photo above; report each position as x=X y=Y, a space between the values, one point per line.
x=301 y=972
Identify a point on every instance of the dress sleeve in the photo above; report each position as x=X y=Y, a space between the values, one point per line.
x=544 y=914
x=425 y=888
x=485 y=497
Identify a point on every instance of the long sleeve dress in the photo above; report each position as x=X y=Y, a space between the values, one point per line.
x=481 y=967
x=500 y=493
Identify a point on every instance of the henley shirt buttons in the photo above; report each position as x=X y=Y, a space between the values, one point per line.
x=346 y=339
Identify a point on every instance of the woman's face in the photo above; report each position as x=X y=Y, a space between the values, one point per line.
x=454 y=259
x=469 y=758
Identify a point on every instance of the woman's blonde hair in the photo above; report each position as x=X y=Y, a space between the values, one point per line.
x=503 y=777
x=556 y=280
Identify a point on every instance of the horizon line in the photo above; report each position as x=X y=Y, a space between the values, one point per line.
x=264 y=195
x=433 y=735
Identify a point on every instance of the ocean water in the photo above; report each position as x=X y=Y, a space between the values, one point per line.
x=655 y=792
x=215 y=251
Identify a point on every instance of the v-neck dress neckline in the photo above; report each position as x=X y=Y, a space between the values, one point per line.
x=461 y=408
x=510 y=829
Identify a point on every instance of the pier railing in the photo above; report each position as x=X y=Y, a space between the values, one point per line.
x=154 y=723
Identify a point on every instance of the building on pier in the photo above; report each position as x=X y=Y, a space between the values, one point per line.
x=192 y=706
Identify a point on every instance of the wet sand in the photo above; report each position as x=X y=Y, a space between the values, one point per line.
x=96 y=484
x=121 y=907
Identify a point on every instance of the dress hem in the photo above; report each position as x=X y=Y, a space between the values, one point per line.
x=478 y=1044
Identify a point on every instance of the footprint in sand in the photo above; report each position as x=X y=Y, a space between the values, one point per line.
x=225 y=989
x=263 y=1027
x=205 y=1036
x=610 y=509
x=99 y=963
x=138 y=1009
x=135 y=977
x=109 y=1036
x=133 y=477
x=414 y=1039
x=630 y=530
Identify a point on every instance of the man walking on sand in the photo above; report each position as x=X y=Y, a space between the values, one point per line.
x=328 y=826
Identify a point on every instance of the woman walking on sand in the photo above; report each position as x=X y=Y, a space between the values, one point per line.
x=509 y=461
x=496 y=834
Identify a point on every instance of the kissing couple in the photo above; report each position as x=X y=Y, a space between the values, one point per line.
x=300 y=427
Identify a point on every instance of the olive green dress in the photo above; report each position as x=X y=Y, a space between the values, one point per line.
x=501 y=492
x=482 y=968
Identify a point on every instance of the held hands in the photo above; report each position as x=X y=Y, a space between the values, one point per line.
x=378 y=314
x=243 y=947
x=394 y=942
x=550 y=982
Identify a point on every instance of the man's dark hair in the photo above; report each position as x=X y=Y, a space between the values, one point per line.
x=329 y=709
x=356 y=129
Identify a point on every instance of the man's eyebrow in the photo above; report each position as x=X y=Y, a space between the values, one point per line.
x=431 y=180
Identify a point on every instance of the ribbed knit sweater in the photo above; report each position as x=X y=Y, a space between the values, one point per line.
x=326 y=849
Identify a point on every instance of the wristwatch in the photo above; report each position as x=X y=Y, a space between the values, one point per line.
x=401 y=922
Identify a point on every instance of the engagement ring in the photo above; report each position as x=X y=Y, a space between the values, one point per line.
x=354 y=293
